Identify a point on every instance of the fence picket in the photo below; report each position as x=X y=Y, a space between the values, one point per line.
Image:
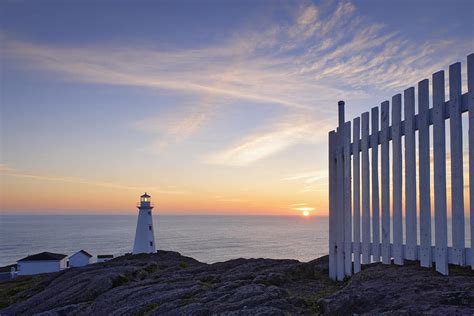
x=332 y=206
x=374 y=140
x=340 y=188
x=410 y=175
x=340 y=206
x=424 y=171
x=470 y=86
x=457 y=180
x=397 y=179
x=356 y=172
x=439 y=140
x=385 y=164
x=365 y=190
x=347 y=200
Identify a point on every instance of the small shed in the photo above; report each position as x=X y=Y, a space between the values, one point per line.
x=104 y=258
x=80 y=259
x=43 y=262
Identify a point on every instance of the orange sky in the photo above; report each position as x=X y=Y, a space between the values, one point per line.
x=27 y=193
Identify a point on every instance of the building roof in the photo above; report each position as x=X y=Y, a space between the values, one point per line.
x=44 y=256
x=105 y=256
x=145 y=195
x=83 y=252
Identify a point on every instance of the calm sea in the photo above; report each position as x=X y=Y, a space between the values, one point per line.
x=205 y=238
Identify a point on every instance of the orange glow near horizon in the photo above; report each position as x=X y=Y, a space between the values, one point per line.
x=54 y=195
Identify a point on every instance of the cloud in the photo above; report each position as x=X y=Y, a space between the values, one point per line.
x=177 y=125
x=312 y=180
x=21 y=174
x=305 y=63
x=4 y=168
x=280 y=136
x=308 y=15
x=231 y=200
x=308 y=176
x=298 y=204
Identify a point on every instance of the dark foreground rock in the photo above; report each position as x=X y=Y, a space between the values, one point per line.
x=167 y=283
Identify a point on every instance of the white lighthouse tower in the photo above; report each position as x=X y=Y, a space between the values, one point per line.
x=144 y=235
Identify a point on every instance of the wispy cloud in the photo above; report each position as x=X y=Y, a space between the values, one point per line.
x=177 y=125
x=318 y=55
x=4 y=168
x=6 y=171
x=231 y=200
x=279 y=136
x=308 y=176
x=312 y=181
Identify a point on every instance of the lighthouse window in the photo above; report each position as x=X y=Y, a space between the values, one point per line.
x=149 y=227
x=149 y=212
x=151 y=243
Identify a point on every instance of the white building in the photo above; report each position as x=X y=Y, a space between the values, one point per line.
x=144 y=235
x=43 y=262
x=104 y=258
x=80 y=259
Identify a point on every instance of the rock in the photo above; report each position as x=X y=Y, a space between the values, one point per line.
x=408 y=289
x=166 y=283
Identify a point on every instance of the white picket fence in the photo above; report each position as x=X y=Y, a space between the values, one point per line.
x=379 y=216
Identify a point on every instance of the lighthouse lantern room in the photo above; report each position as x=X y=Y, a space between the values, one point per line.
x=144 y=235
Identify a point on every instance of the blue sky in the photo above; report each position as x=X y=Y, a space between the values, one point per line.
x=215 y=106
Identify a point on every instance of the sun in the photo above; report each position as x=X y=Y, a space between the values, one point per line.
x=305 y=211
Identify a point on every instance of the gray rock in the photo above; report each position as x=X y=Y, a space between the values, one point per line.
x=167 y=283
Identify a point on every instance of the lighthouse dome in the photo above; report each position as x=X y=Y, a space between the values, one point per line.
x=145 y=198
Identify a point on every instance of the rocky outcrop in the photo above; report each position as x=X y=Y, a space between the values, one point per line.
x=167 y=283
x=407 y=289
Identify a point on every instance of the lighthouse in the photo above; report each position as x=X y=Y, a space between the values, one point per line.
x=144 y=235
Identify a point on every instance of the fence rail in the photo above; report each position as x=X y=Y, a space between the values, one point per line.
x=365 y=227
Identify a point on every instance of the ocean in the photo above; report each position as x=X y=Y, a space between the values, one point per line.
x=205 y=238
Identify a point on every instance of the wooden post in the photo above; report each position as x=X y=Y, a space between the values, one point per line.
x=341 y=196
x=340 y=206
x=410 y=175
x=356 y=171
x=439 y=137
x=340 y=112
x=385 y=164
x=470 y=86
x=365 y=190
x=347 y=200
x=332 y=205
x=424 y=168
x=397 y=180
x=374 y=141
x=457 y=174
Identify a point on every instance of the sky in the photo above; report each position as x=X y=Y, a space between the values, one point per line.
x=212 y=107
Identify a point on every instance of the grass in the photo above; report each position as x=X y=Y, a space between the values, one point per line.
x=9 y=290
x=119 y=280
x=188 y=298
x=152 y=268
x=331 y=287
x=183 y=265
x=206 y=284
x=146 y=309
